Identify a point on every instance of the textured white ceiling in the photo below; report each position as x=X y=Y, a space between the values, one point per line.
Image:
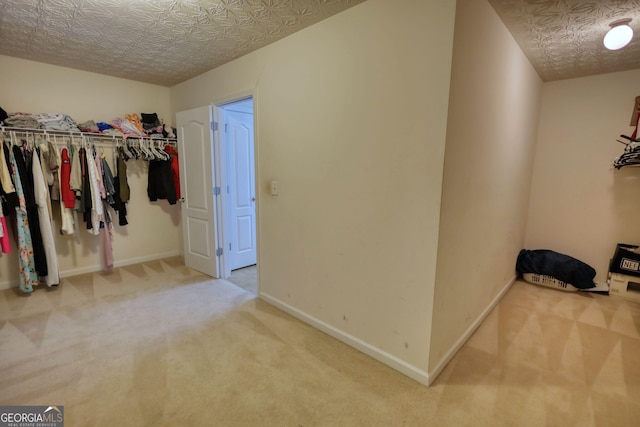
x=168 y=41
x=563 y=38
x=156 y=41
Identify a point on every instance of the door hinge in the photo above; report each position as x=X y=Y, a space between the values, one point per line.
x=229 y=246
x=216 y=191
x=226 y=127
x=214 y=126
x=219 y=252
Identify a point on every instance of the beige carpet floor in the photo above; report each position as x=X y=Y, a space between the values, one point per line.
x=157 y=344
x=246 y=278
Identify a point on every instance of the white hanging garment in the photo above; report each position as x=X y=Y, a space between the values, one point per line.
x=97 y=211
x=5 y=176
x=41 y=191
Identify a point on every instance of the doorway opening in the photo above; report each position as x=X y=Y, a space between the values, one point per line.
x=237 y=162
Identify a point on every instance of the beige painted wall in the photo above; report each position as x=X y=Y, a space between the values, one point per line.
x=37 y=87
x=351 y=119
x=580 y=205
x=493 y=116
x=29 y=86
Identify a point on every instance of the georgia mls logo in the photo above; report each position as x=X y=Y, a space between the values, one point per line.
x=53 y=408
x=31 y=416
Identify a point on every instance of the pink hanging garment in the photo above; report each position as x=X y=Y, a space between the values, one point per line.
x=5 y=243
x=107 y=248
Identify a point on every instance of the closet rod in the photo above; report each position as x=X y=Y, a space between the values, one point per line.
x=124 y=137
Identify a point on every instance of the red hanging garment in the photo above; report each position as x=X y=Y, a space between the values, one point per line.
x=67 y=194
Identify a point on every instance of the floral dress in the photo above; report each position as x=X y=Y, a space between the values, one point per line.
x=28 y=275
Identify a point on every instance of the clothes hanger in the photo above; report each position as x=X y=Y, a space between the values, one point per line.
x=124 y=150
x=630 y=157
x=630 y=138
x=114 y=148
x=143 y=150
x=13 y=137
x=148 y=153
x=158 y=152
x=154 y=152
x=162 y=151
x=134 y=150
x=24 y=146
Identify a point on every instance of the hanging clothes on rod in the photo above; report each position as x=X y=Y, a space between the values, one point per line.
x=83 y=172
x=107 y=139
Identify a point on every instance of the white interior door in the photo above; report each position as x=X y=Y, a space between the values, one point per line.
x=241 y=187
x=197 y=189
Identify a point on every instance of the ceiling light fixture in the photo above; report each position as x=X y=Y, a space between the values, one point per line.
x=619 y=35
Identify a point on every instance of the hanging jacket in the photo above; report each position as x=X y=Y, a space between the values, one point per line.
x=108 y=182
x=85 y=196
x=75 y=177
x=175 y=168
x=123 y=183
x=118 y=205
x=121 y=189
x=50 y=168
x=160 y=181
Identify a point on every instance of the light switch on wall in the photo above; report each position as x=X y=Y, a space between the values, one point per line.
x=274 y=188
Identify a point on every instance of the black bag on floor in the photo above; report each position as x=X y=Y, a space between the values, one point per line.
x=557 y=265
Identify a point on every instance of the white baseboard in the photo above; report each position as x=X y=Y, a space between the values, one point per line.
x=98 y=267
x=467 y=334
x=388 y=359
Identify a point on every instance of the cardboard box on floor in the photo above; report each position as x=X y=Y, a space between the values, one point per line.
x=625 y=286
x=626 y=260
